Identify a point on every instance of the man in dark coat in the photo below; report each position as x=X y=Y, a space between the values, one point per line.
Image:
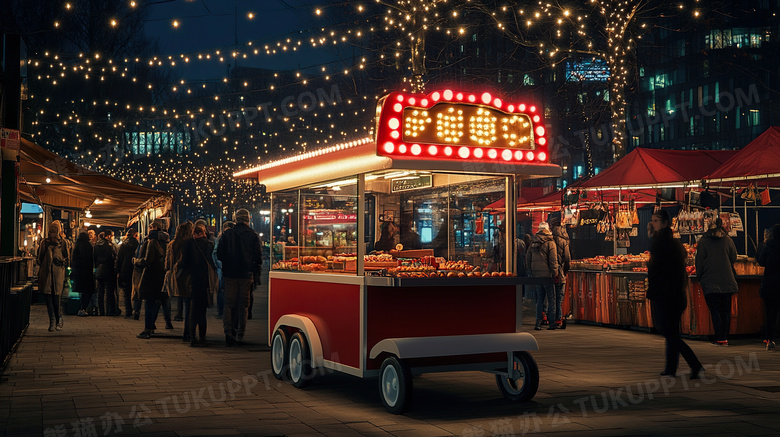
x=153 y=277
x=82 y=271
x=105 y=273
x=240 y=253
x=769 y=257
x=666 y=282
x=124 y=269
x=561 y=238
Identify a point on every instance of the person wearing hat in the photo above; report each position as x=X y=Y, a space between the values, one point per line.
x=542 y=262
x=715 y=258
x=53 y=259
x=239 y=251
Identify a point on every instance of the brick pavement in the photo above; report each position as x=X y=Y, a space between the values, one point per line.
x=595 y=381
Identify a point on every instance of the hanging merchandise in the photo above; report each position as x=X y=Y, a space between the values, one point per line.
x=765 y=199
x=634 y=213
x=736 y=222
x=634 y=232
x=698 y=220
x=750 y=193
x=623 y=217
x=683 y=224
x=694 y=198
x=591 y=217
x=623 y=240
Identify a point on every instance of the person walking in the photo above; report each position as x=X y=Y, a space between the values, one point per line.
x=542 y=262
x=196 y=261
x=769 y=257
x=179 y=282
x=124 y=270
x=241 y=256
x=561 y=238
x=715 y=258
x=105 y=255
x=152 y=280
x=221 y=292
x=666 y=282
x=53 y=259
x=82 y=271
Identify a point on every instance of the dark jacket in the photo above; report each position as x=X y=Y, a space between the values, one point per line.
x=715 y=258
x=521 y=250
x=195 y=260
x=542 y=257
x=82 y=265
x=104 y=255
x=666 y=275
x=124 y=259
x=240 y=253
x=561 y=238
x=769 y=257
x=153 y=263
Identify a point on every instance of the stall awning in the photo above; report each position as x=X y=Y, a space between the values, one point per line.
x=760 y=159
x=110 y=201
x=656 y=168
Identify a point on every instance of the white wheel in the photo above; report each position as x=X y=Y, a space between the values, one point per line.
x=523 y=380
x=395 y=385
x=299 y=361
x=279 y=355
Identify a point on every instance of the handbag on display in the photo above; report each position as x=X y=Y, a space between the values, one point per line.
x=765 y=198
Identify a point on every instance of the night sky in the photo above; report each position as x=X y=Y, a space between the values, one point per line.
x=211 y=24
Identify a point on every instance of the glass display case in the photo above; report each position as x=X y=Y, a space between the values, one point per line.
x=435 y=219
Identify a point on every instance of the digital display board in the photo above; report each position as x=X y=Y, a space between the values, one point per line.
x=455 y=125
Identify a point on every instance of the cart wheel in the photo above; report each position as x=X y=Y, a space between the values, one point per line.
x=395 y=385
x=523 y=380
x=299 y=360
x=279 y=354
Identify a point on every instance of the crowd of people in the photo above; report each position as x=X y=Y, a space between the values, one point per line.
x=196 y=269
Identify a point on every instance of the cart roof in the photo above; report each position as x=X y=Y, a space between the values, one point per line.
x=360 y=157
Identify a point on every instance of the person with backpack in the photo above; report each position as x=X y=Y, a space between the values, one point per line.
x=542 y=262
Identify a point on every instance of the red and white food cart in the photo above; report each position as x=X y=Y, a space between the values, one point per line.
x=441 y=301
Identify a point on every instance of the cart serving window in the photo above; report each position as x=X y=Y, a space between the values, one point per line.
x=385 y=263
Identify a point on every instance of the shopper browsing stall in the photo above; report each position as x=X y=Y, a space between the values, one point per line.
x=715 y=257
x=542 y=262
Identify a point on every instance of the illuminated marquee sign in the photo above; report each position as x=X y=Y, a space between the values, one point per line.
x=455 y=125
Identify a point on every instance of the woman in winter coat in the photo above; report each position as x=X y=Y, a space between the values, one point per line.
x=196 y=260
x=542 y=262
x=53 y=259
x=769 y=257
x=153 y=277
x=715 y=258
x=81 y=271
x=179 y=283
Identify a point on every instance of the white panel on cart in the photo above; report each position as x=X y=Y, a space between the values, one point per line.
x=420 y=347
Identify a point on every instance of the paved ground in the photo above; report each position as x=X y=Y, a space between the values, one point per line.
x=96 y=378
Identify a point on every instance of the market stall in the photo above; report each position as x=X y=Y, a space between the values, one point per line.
x=53 y=182
x=441 y=293
x=610 y=289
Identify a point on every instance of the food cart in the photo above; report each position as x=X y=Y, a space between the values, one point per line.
x=438 y=301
